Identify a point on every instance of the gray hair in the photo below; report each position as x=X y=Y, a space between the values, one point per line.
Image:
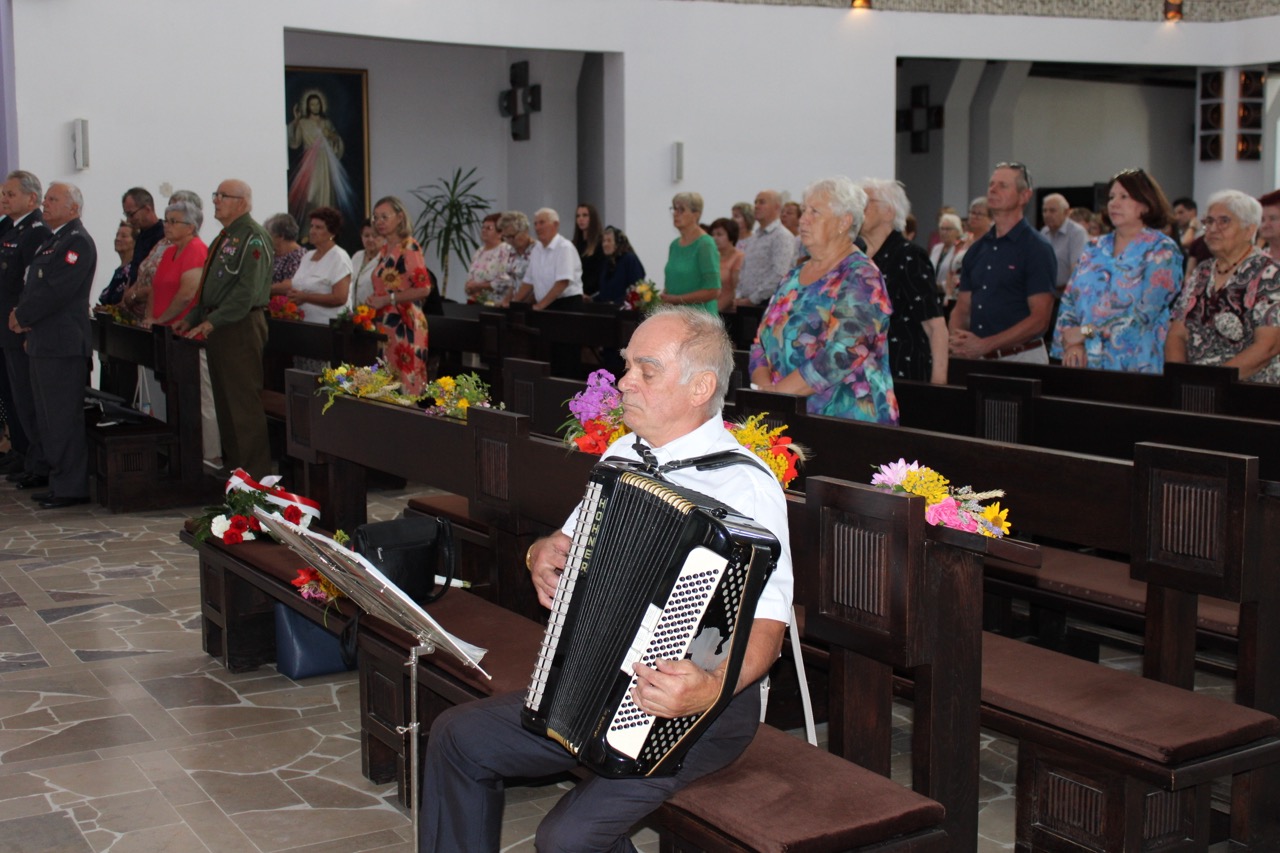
x=1244 y=207
x=282 y=225
x=187 y=195
x=693 y=201
x=513 y=219
x=188 y=211
x=747 y=211
x=892 y=193
x=981 y=202
x=27 y=182
x=77 y=197
x=845 y=197
x=548 y=212
x=705 y=347
x=950 y=219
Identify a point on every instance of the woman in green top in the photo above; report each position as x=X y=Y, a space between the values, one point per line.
x=693 y=264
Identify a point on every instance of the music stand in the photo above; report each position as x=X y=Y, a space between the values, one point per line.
x=371 y=591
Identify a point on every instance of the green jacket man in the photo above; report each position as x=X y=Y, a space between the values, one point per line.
x=230 y=316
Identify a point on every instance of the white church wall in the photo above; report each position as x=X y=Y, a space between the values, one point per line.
x=1076 y=133
x=821 y=99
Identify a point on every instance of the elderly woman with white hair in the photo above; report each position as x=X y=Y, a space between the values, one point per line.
x=824 y=335
x=1229 y=311
x=917 y=329
x=943 y=256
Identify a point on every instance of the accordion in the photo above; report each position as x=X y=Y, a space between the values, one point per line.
x=655 y=571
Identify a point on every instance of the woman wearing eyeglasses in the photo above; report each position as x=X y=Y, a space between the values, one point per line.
x=177 y=277
x=1229 y=310
x=692 y=275
x=1115 y=310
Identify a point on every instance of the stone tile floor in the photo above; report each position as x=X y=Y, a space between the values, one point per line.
x=117 y=733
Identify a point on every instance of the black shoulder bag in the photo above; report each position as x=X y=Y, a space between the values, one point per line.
x=410 y=551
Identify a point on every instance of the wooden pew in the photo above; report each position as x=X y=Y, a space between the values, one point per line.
x=1187 y=387
x=156 y=463
x=1015 y=409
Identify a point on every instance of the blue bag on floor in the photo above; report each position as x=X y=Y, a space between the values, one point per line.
x=303 y=648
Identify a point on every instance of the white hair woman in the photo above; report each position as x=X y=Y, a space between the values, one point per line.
x=943 y=254
x=917 y=330
x=1229 y=310
x=824 y=335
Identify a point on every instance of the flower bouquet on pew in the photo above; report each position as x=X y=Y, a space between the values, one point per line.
x=454 y=396
x=959 y=508
x=233 y=521
x=374 y=382
x=281 y=307
x=596 y=423
x=643 y=296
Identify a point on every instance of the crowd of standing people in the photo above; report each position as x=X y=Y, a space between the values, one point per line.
x=850 y=303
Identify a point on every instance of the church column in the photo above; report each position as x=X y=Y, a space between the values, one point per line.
x=991 y=117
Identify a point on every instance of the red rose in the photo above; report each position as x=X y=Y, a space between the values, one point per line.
x=292 y=514
x=233 y=537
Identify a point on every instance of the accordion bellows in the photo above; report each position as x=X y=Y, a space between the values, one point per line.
x=655 y=572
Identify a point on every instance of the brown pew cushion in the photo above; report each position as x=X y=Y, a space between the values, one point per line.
x=456 y=508
x=511 y=639
x=784 y=795
x=1133 y=714
x=1107 y=583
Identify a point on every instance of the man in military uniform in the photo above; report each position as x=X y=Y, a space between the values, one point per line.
x=21 y=199
x=54 y=314
x=230 y=315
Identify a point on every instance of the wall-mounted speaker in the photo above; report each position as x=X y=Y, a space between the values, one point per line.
x=80 y=143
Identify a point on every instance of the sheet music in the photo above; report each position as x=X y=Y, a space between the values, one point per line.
x=369 y=588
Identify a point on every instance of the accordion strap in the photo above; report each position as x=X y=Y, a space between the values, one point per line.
x=710 y=462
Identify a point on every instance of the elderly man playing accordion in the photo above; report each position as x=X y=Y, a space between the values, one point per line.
x=678 y=363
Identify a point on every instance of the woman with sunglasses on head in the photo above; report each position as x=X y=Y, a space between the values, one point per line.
x=1115 y=310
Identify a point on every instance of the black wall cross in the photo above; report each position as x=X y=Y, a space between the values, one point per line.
x=520 y=100
x=919 y=118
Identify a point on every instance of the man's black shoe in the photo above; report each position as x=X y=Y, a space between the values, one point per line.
x=41 y=496
x=33 y=481
x=56 y=502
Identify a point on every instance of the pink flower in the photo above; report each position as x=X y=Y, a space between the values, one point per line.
x=893 y=474
x=945 y=512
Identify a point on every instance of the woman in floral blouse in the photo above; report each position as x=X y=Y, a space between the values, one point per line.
x=488 y=279
x=400 y=281
x=1229 y=310
x=1115 y=311
x=825 y=332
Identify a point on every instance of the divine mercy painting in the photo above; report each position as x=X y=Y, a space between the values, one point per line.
x=327 y=126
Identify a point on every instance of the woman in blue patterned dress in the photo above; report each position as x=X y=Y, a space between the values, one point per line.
x=825 y=333
x=1115 y=311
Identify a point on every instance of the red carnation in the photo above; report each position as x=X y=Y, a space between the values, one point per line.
x=233 y=537
x=292 y=514
x=239 y=523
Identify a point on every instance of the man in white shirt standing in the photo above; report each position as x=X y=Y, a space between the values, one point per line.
x=769 y=254
x=554 y=277
x=553 y=281
x=1065 y=235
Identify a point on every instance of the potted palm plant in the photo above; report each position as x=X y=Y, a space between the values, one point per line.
x=450 y=219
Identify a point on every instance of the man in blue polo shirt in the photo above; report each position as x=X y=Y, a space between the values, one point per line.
x=1006 y=280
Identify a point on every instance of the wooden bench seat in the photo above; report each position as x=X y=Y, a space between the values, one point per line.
x=789 y=797
x=1108 y=760
x=1100 y=591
